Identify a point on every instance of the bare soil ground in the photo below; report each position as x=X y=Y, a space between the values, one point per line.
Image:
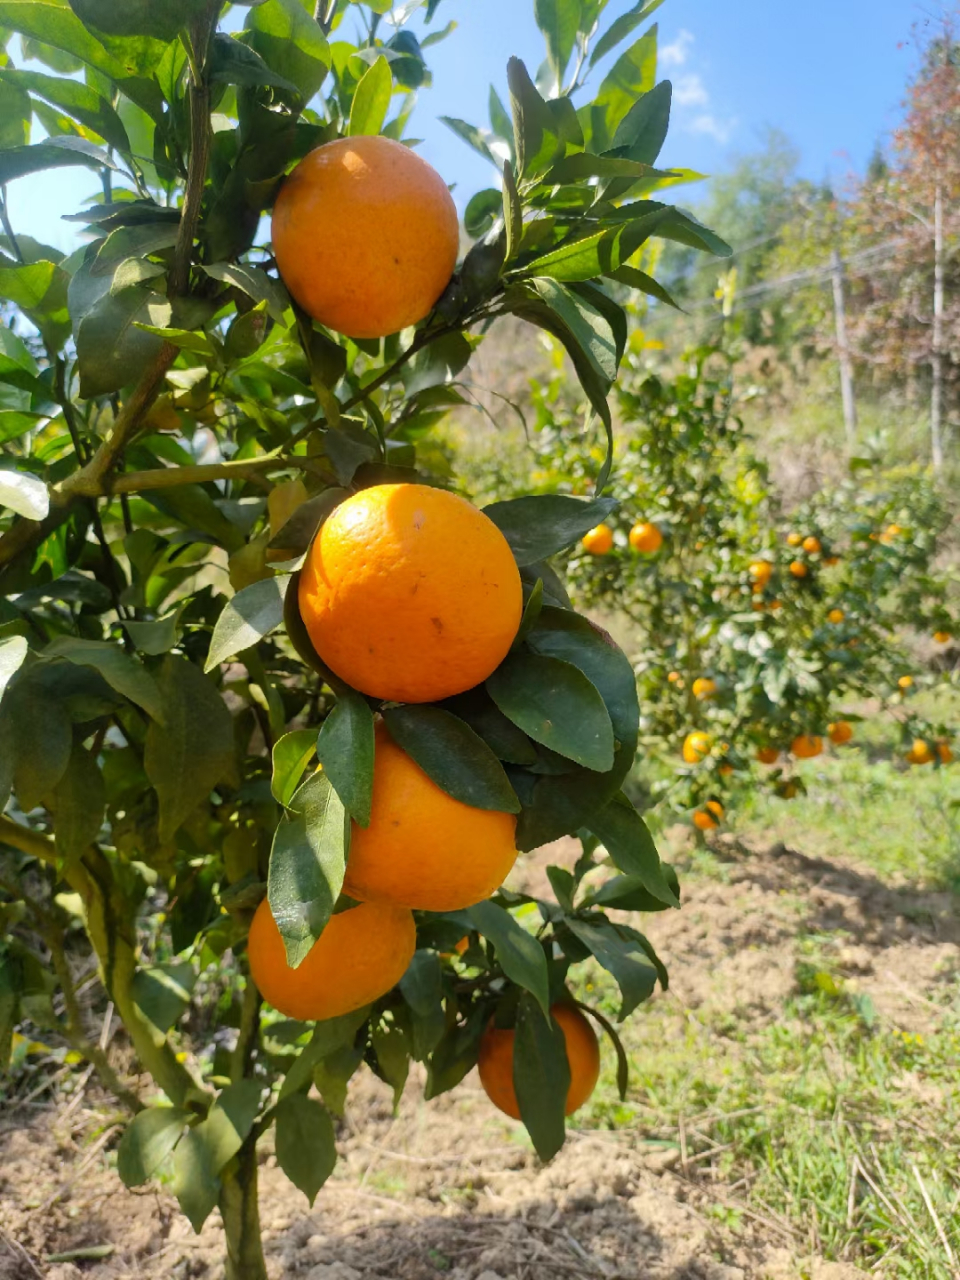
x=453 y=1189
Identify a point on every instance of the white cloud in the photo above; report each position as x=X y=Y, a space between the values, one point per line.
x=720 y=130
x=690 y=91
x=675 y=55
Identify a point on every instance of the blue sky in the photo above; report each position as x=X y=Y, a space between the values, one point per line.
x=829 y=73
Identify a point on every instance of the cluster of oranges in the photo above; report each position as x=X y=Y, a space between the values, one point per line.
x=644 y=538
x=409 y=595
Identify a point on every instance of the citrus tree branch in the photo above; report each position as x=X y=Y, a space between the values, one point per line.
x=170 y=477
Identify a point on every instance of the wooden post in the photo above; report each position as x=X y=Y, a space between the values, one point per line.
x=936 y=356
x=843 y=349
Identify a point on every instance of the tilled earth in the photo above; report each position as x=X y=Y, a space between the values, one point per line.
x=452 y=1189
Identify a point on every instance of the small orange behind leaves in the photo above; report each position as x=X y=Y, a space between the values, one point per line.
x=794 y=539
x=890 y=532
x=696 y=746
x=646 y=538
x=703 y=687
x=798 y=569
x=920 y=752
x=942 y=637
x=775 y=605
x=761 y=571
x=945 y=752
x=673 y=677
x=811 y=545
x=840 y=732
x=709 y=817
x=806 y=745
x=361 y=954
x=725 y=770
x=836 y=616
x=905 y=682
x=495 y=1063
x=768 y=755
x=599 y=540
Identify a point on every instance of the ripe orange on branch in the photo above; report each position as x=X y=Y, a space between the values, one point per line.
x=811 y=545
x=362 y=953
x=703 y=687
x=807 y=745
x=798 y=569
x=366 y=236
x=920 y=753
x=761 y=571
x=410 y=594
x=598 y=541
x=696 y=746
x=768 y=755
x=583 y=1054
x=424 y=849
x=646 y=538
x=709 y=817
x=840 y=732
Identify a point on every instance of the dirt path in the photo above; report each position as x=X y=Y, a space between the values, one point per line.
x=451 y=1188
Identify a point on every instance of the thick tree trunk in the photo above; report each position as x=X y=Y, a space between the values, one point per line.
x=240 y=1211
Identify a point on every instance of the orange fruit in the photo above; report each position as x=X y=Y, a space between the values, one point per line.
x=768 y=755
x=495 y=1063
x=794 y=539
x=840 y=732
x=798 y=569
x=775 y=605
x=905 y=682
x=703 y=687
x=758 y=606
x=410 y=594
x=360 y=955
x=598 y=541
x=725 y=770
x=366 y=236
x=459 y=949
x=920 y=752
x=942 y=637
x=836 y=616
x=696 y=746
x=890 y=532
x=761 y=571
x=646 y=537
x=811 y=545
x=944 y=752
x=424 y=849
x=832 y=560
x=709 y=817
x=673 y=677
x=806 y=745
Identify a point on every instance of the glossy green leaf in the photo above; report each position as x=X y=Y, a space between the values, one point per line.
x=159 y=19
x=503 y=737
x=291 y=755
x=193 y=749
x=625 y=837
x=24 y=494
x=520 y=954
x=55 y=153
x=634 y=73
x=254 y=282
x=232 y=62
x=643 y=130
x=482 y=211
x=620 y=956
x=559 y=20
x=623 y=1064
x=345 y=748
x=13 y=650
x=622 y=27
x=111 y=350
x=371 y=100
x=540 y=525
x=541 y=1076
x=147 y=1141
x=422 y=988
x=537 y=137
x=392 y=1046
x=299 y=531
x=637 y=279
x=512 y=212
x=305 y=1143
x=556 y=705
x=206 y=1148
x=290 y=41
x=454 y=1055
x=38 y=722
x=76 y=99
x=453 y=755
x=628 y=893
x=472 y=136
x=249 y=616
x=307 y=864
x=328 y=1037
x=78 y=802
x=119 y=669
x=162 y=993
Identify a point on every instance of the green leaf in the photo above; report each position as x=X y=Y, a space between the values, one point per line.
x=482 y=211
x=472 y=136
x=422 y=988
x=503 y=737
x=147 y=1141
x=541 y=1077
x=637 y=279
x=291 y=755
x=512 y=212
x=111 y=350
x=633 y=74
x=13 y=650
x=623 y=1064
x=531 y=612
x=290 y=41
x=205 y=1149
x=249 y=616
x=305 y=1143
x=628 y=893
x=14 y=424
x=254 y=282
x=622 y=957
x=455 y=1053
x=155 y=638
x=193 y=749
x=183 y=339
x=584 y=259
x=453 y=755
x=24 y=494
x=540 y=525
x=158 y=19
x=300 y=530
x=119 y=669
x=622 y=27
x=520 y=955
x=559 y=20
x=624 y=835
x=162 y=993
x=232 y=62
x=500 y=121
x=556 y=705
x=75 y=98
x=78 y=802
x=307 y=864
x=333 y=1074
x=15 y=113
x=328 y=1037
x=537 y=140
x=55 y=153
x=38 y=723
x=643 y=130
x=345 y=748
x=391 y=1044
x=685 y=229
x=371 y=100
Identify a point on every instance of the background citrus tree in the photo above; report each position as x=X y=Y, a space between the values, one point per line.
x=174 y=433
x=756 y=634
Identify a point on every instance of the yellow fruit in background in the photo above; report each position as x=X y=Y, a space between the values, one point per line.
x=811 y=545
x=836 y=616
x=673 y=677
x=798 y=569
x=696 y=746
x=890 y=532
x=905 y=682
x=646 y=538
x=840 y=732
x=920 y=752
x=703 y=687
x=942 y=637
x=599 y=540
x=806 y=745
x=768 y=755
x=709 y=817
x=775 y=605
x=944 y=752
x=761 y=571
x=794 y=539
